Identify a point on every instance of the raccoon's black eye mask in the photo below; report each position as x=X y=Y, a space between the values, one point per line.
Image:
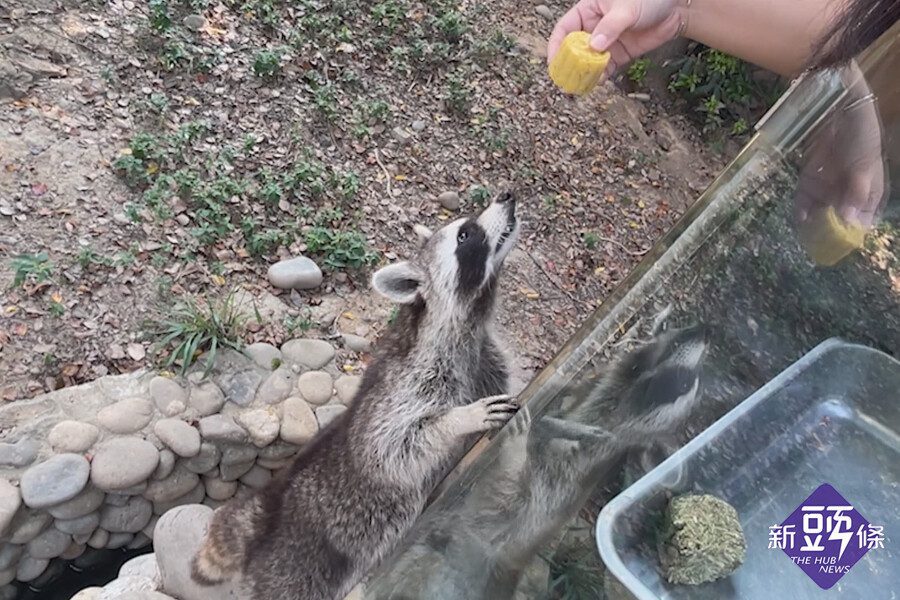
x=472 y=254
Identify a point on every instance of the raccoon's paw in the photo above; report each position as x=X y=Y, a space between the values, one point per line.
x=485 y=414
x=520 y=425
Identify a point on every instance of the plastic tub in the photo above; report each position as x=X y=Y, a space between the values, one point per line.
x=831 y=417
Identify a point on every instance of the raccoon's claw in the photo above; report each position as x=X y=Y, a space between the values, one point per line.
x=485 y=414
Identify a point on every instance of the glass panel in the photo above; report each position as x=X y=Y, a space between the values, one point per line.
x=723 y=304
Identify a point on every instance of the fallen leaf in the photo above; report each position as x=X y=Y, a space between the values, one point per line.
x=20 y=329
x=39 y=189
x=136 y=351
x=217 y=279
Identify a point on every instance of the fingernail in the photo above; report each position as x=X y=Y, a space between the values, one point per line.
x=802 y=216
x=599 y=42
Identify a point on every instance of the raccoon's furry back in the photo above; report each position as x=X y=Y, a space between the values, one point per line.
x=224 y=550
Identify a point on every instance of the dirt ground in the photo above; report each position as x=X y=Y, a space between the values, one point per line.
x=390 y=103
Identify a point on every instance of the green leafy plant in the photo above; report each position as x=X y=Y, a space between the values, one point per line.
x=479 y=195
x=267 y=63
x=159 y=15
x=31 y=267
x=637 y=70
x=194 y=327
x=590 y=239
x=341 y=249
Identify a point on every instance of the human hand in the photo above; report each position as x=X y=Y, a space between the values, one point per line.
x=625 y=28
x=843 y=165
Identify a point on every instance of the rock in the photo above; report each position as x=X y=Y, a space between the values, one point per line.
x=10 y=501
x=7 y=576
x=169 y=397
x=55 y=480
x=449 y=200
x=84 y=503
x=91 y=593
x=10 y=553
x=118 y=540
x=544 y=11
x=262 y=424
x=235 y=455
x=206 y=459
x=240 y=386
x=140 y=540
x=141 y=566
x=279 y=450
x=183 y=439
x=27 y=525
x=126 y=587
x=222 y=428
x=272 y=464
x=266 y=356
x=126 y=416
x=179 y=534
x=194 y=22
x=401 y=135
x=166 y=464
x=313 y=354
x=130 y=518
x=151 y=596
x=49 y=544
x=217 y=489
x=79 y=526
x=346 y=387
x=298 y=422
x=72 y=436
x=73 y=551
x=299 y=273
x=179 y=483
x=20 y=454
x=234 y=471
x=120 y=463
x=195 y=496
x=257 y=477
x=419 y=126
x=99 y=539
x=316 y=387
x=327 y=414
x=276 y=387
x=356 y=343
x=207 y=399
x=31 y=568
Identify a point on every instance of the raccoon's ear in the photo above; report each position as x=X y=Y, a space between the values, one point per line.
x=423 y=233
x=399 y=282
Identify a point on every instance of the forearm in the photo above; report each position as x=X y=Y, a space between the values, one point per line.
x=778 y=35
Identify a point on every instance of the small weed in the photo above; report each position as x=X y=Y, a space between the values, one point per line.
x=637 y=70
x=297 y=324
x=194 y=327
x=131 y=169
x=457 y=97
x=250 y=142
x=388 y=14
x=267 y=63
x=159 y=103
x=35 y=268
x=173 y=54
x=479 y=195
x=325 y=101
x=451 y=25
x=159 y=15
x=87 y=256
x=131 y=213
x=590 y=240
x=57 y=308
x=341 y=249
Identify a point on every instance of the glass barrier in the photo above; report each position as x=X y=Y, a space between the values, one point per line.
x=761 y=270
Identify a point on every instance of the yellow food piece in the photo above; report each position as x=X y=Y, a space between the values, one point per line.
x=577 y=67
x=828 y=238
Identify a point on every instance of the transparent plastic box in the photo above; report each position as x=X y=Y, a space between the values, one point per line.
x=831 y=417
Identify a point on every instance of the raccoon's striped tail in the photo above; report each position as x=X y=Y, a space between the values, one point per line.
x=221 y=556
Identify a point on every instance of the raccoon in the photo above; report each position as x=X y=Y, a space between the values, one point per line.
x=546 y=470
x=438 y=381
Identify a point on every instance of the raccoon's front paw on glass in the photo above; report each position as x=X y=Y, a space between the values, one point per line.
x=488 y=413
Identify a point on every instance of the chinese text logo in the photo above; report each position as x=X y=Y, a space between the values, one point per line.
x=825 y=536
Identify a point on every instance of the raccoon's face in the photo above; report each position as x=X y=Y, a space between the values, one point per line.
x=457 y=265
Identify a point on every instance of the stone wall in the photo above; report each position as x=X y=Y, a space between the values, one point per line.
x=95 y=466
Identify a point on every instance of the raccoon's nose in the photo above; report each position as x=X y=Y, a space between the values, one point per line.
x=506 y=197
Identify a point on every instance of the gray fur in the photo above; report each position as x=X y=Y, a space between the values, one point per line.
x=545 y=474
x=436 y=384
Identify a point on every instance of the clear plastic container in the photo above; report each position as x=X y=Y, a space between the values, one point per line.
x=833 y=416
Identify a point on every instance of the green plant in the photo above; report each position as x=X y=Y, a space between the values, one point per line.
x=87 y=256
x=388 y=14
x=173 y=54
x=457 y=96
x=159 y=15
x=267 y=63
x=57 y=308
x=325 y=101
x=31 y=267
x=637 y=70
x=297 y=324
x=451 y=25
x=131 y=169
x=193 y=327
x=590 y=239
x=341 y=249
x=479 y=195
